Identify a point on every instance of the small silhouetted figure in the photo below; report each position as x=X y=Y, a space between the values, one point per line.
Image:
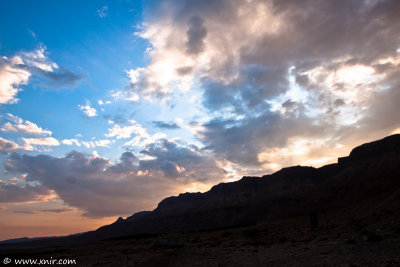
x=313 y=220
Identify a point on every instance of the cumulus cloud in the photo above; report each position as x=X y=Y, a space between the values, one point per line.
x=21 y=126
x=17 y=71
x=101 y=187
x=88 y=110
x=11 y=78
x=276 y=74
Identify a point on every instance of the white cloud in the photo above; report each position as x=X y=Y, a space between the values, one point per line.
x=88 y=110
x=144 y=140
x=97 y=143
x=11 y=77
x=22 y=126
x=38 y=59
x=125 y=95
x=142 y=137
x=103 y=143
x=70 y=142
x=44 y=141
x=127 y=131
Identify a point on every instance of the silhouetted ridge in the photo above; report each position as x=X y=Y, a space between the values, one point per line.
x=370 y=171
x=389 y=144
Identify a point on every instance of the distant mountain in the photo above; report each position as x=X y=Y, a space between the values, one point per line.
x=371 y=170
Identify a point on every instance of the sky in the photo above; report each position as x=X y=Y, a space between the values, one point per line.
x=107 y=107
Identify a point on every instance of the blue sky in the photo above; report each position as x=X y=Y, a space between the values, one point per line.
x=106 y=107
x=97 y=42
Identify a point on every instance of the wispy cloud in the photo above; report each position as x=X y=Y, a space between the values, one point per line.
x=166 y=125
x=17 y=71
x=102 y=12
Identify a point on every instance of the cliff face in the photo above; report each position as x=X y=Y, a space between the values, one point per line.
x=370 y=170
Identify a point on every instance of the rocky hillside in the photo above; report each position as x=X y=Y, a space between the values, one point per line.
x=370 y=170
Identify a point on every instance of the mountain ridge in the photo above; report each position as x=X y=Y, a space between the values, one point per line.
x=370 y=170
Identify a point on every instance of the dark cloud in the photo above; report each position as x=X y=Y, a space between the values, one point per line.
x=12 y=192
x=7 y=146
x=175 y=161
x=196 y=34
x=184 y=70
x=240 y=141
x=62 y=78
x=57 y=78
x=166 y=125
x=56 y=210
x=102 y=188
x=41 y=211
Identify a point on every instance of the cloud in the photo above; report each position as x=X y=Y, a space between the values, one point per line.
x=70 y=142
x=97 y=143
x=30 y=144
x=309 y=77
x=88 y=144
x=88 y=110
x=43 y=141
x=141 y=136
x=127 y=131
x=62 y=78
x=104 y=188
x=102 y=12
x=195 y=35
x=179 y=161
x=166 y=125
x=17 y=71
x=22 y=126
x=11 y=78
x=14 y=193
x=43 y=211
x=7 y=146
x=56 y=210
x=126 y=95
